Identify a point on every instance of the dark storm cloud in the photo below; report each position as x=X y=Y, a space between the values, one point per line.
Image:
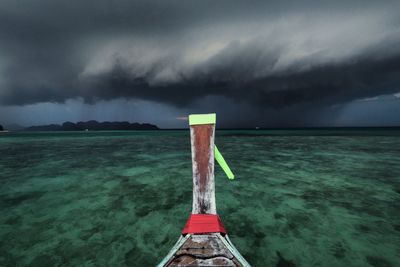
x=326 y=84
x=267 y=54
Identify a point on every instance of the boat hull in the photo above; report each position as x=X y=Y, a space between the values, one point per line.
x=212 y=249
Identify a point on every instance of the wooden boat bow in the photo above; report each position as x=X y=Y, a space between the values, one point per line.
x=204 y=241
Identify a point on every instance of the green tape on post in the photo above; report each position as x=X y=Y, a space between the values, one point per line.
x=196 y=119
x=221 y=161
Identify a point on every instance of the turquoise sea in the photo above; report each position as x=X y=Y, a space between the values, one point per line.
x=314 y=197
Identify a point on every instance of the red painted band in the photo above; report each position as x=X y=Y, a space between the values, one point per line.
x=203 y=224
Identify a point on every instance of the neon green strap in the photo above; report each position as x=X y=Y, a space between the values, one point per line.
x=222 y=163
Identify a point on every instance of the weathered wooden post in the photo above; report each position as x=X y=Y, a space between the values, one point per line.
x=204 y=241
x=202 y=132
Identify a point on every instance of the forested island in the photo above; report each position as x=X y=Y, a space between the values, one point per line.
x=1 y=128
x=93 y=126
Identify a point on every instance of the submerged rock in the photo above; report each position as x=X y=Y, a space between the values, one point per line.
x=282 y=262
x=397 y=190
x=338 y=250
x=378 y=261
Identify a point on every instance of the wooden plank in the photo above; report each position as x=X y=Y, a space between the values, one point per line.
x=202 y=143
x=204 y=250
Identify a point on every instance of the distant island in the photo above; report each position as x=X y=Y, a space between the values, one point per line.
x=93 y=126
x=1 y=128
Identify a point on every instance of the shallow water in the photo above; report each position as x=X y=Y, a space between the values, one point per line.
x=319 y=198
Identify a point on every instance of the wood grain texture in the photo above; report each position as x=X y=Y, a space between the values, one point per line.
x=204 y=250
x=202 y=143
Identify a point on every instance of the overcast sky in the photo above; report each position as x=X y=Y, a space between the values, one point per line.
x=255 y=63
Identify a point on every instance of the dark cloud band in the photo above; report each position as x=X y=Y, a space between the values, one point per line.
x=271 y=55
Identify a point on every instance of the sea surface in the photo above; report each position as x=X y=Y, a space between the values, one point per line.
x=300 y=197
